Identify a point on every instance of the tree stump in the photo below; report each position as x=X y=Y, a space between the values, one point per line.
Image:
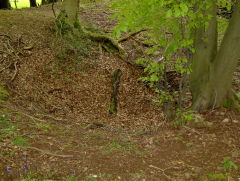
x=115 y=85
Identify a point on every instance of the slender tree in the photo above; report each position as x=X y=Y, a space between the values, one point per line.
x=15 y=2
x=5 y=4
x=33 y=3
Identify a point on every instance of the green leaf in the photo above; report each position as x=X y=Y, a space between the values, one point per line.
x=177 y=11
x=169 y=13
x=184 y=7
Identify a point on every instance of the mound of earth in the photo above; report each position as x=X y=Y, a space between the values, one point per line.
x=60 y=112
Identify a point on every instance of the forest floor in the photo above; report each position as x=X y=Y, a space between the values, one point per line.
x=55 y=125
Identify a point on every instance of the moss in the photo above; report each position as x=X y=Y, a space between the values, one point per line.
x=112 y=106
x=228 y=103
x=115 y=84
x=233 y=102
x=3 y=94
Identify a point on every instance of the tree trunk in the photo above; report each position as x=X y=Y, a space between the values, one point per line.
x=115 y=85
x=5 y=4
x=216 y=90
x=33 y=3
x=70 y=10
x=205 y=45
x=44 y=2
x=15 y=2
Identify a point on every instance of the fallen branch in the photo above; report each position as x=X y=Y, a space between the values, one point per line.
x=47 y=152
x=130 y=35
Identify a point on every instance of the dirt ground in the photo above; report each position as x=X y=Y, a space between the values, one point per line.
x=60 y=126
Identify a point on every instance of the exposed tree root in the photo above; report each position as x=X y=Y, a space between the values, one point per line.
x=64 y=27
x=206 y=101
x=130 y=35
x=106 y=39
x=47 y=152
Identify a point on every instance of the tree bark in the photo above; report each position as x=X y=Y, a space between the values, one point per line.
x=217 y=90
x=33 y=3
x=115 y=85
x=70 y=10
x=5 y=4
x=205 y=45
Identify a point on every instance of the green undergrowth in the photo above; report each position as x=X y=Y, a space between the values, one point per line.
x=8 y=130
x=3 y=94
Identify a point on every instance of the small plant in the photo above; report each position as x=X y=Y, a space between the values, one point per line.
x=3 y=94
x=182 y=118
x=227 y=164
x=20 y=141
x=6 y=128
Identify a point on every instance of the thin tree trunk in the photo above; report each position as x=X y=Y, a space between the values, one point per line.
x=15 y=2
x=33 y=3
x=5 y=4
x=218 y=90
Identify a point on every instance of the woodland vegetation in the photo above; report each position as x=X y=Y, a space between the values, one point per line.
x=107 y=88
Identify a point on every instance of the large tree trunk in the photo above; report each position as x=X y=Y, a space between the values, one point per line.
x=205 y=45
x=214 y=87
x=70 y=10
x=33 y=3
x=5 y=4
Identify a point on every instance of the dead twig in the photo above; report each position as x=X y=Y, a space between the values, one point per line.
x=192 y=130
x=54 y=118
x=29 y=116
x=4 y=68
x=163 y=170
x=47 y=152
x=29 y=47
x=6 y=36
x=16 y=71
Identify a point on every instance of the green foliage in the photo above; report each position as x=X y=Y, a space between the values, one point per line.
x=218 y=177
x=6 y=128
x=20 y=141
x=183 y=118
x=172 y=24
x=3 y=94
x=227 y=164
